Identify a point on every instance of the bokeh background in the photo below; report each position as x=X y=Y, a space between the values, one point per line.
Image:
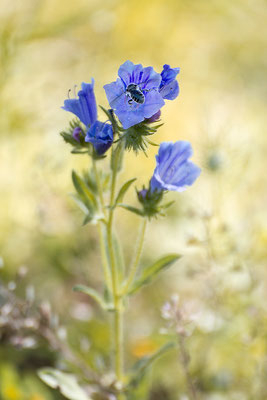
x=219 y=225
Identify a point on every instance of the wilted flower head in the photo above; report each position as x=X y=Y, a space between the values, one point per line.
x=84 y=107
x=100 y=134
x=169 y=88
x=135 y=95
x=174 y=171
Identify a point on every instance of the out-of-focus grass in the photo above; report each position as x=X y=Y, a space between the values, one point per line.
x=46 y=47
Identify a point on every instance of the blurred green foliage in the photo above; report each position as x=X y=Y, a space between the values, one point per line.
x=220 y=225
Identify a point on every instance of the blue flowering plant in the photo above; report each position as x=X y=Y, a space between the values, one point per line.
x=135 y=100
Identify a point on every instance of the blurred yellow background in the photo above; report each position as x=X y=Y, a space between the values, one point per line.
x=219 y=225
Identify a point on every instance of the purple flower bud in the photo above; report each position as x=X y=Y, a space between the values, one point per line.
x=154 y=117
x=142 y=194
x=100 y=134
x=76 y=134
x=169 y=88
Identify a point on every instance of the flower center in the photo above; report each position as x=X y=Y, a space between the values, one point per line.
x=135 y=94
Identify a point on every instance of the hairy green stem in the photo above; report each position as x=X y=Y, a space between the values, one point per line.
x=105 y=262
x=118 y=318
x=99 y=188
x=137 y=256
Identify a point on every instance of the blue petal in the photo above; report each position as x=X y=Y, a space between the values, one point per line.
x=85 y=106
x=129 y=72
x=170 y=91
x=173 y=153
x=114 y=92
x=150 y=79
x=153 y=102
x=173 y=170
x=88 y=102
x=73 y=106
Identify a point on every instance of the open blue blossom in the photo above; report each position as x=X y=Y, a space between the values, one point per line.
x=100 y=134
x=169 y=88
x=173 y=170
x=84 y=107
x=135 y=95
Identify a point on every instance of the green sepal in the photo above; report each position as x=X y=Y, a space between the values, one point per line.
x=94 y=295
x=110 y=114
x=136 y=137
x=123 y=190
x=132 y=209
x=80 y=147
x=152 y=271
x=140 y=368
x=66 y=383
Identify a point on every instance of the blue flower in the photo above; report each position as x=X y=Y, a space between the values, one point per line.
x=85 y=106
x=100 y=134
x=169 y=88
x=135 y=95
x=174 y=171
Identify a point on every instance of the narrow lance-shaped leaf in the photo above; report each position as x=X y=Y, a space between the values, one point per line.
x=66 y=383
x=140 y=368
x=123 y=190
x=152 y=271
x=93 y=294
x=86 y=195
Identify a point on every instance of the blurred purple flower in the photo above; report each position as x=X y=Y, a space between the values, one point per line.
x=174 y=171
x=84 y=107
x=135 y=95
x=100 y=134
x=169 y=88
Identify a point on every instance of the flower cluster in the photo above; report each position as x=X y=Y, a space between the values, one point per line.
x=98 y=133
x=136 y=98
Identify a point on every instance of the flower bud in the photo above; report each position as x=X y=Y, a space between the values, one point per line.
x=76 y=134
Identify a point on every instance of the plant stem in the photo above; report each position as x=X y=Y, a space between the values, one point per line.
x=99 y=188
x=185 y=363
x=100 y=227
x=118 y=318
x=137 y=256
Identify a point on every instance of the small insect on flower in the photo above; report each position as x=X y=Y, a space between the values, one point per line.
x=135 y=96
x=134 y=93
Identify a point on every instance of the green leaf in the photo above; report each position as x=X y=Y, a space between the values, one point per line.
x=152 y=271
x=93 y=294
x=66 y=383
x=167 y=205
x=132 y=209
x=85 y=194
x=140 y=368
x=123 y=190
x=88 y=218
